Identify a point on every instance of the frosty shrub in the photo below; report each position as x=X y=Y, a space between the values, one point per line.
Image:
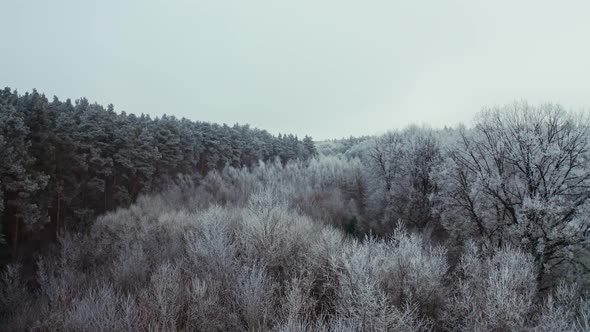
x=102 y=309
x=494 y=293
x=275 y=237
x=583 y=319
x=391 y=282
x=255 y=298
x=211 y=247
x=564 y=310
x=298 y=302
x=162 y=298
x=130 y=267
x=205 y=306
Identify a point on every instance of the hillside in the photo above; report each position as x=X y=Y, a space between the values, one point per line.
x=479 y=228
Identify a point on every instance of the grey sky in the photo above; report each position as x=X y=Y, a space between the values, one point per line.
x=325 y=68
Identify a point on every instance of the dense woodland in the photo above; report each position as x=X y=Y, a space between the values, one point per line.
x=63 y=163
x=131 y=223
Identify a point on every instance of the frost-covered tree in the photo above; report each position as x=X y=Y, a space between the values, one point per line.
x=387 y=167
x=522 y=176
x=400 y=166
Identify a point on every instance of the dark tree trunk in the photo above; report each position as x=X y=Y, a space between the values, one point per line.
x=15 y=234
x=57 y=217
x=203 y=163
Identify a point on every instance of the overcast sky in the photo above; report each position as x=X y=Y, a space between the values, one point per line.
x=328 y=68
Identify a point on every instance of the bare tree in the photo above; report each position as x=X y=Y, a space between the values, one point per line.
x=400 y=166
x=521 y=175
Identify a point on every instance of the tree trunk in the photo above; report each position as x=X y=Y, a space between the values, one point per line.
x=57 y=216
x=203 y=163
x=112 y=194
x=15 y=235
x=106 y=188
x=134 y=192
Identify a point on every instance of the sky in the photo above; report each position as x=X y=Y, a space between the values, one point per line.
x=327 y=68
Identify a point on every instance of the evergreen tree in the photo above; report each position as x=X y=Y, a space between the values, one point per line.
x=310 y=150
x=18 y=180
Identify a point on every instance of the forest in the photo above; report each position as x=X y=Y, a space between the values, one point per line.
x=63 y=164
x=117 y=222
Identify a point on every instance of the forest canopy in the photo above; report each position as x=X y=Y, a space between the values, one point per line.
x=63 y=163
x=122 y=222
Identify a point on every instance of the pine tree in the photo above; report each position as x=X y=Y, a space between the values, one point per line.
x=144 y=155
x=310 y=150
x=18 y=180
x=167 y=140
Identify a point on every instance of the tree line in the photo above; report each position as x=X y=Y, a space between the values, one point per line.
x=62 y=163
